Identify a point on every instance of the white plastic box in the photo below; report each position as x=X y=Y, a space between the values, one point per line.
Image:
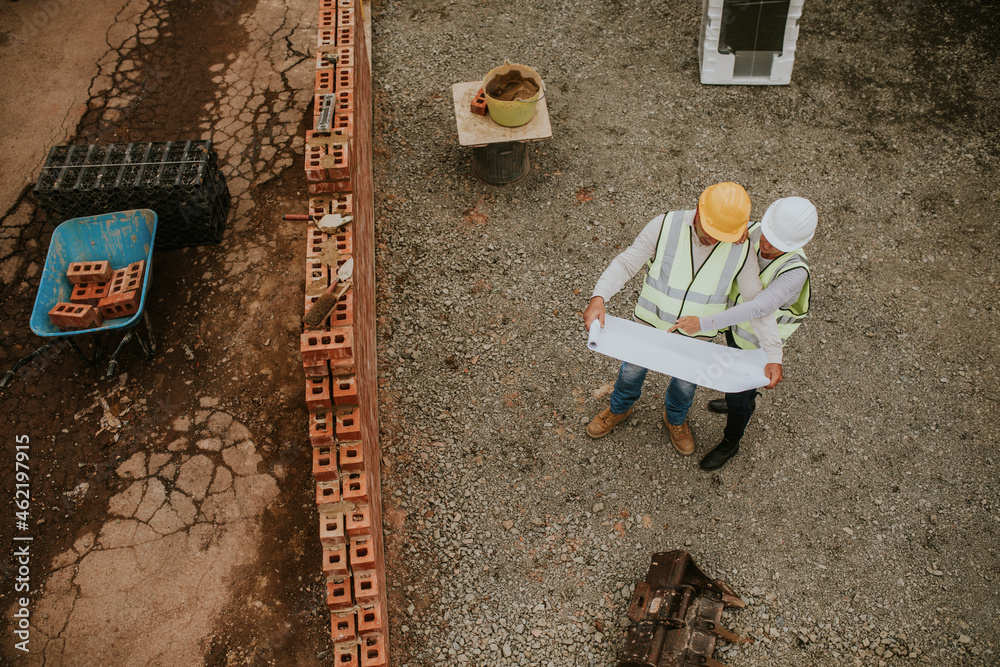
x=748 y=42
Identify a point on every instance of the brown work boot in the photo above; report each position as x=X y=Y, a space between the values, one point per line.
x=602 y=424
x=680 y=436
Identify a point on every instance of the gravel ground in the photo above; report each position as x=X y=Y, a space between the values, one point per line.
x=860 y=520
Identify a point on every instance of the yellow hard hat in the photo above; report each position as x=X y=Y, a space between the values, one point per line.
x=724 y=210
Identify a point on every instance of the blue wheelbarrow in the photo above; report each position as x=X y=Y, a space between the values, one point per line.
x=121 y=239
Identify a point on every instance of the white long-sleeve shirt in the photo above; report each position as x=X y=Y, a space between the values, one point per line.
x=781 y=293
x=628 y=262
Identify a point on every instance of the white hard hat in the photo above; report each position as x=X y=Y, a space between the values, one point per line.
x=789 y=223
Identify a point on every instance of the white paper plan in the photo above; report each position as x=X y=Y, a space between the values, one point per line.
x=706 y=364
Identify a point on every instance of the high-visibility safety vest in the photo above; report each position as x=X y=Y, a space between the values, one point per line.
x=788 y=318
x=673 y=289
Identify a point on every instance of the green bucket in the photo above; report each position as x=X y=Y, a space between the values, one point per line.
x=512 y=113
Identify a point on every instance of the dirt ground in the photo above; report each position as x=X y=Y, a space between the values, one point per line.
x=172 y=515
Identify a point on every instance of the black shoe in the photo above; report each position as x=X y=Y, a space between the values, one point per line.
x=717 y=458
x=718 y=405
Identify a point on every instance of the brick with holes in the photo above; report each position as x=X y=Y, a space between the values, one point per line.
x=366 y=586
x=324 y=464
x=88 y=272
x=352 y=457
x=75 y=316
x=345 y=391
x=338 y=595
x=373 y=650
x=335 y=562
x=346 y=655
x=349 y=425
x=342 y=628
x=121 y=304
x=317 y=393
x=321 y=428
x=331 y=529
x=361 y=555
x=327 y=494
x=369 y=618
x=354 y=486
x=357 y=522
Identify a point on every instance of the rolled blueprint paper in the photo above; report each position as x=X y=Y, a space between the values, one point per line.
x=706 y=364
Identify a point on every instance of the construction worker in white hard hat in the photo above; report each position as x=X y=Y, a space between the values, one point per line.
x=777 y=240
x=694 y=259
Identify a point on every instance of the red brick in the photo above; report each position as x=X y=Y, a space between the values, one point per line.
x=354 y=487
x=317 y=272
x=349 y=425
x=345 y=391
x=121 y=304
x=330 y=187
x=338 y=595
x=357 y=522
x=327 y=493
x=331 y=530
x=345 y=239
x=352 y=457
x=366 y=586
x=317 y=346
x=345 y=57
x=319 y=206
x=343 y=312
x=314 y=172
x=346 y=655
x=327 y=41
x=373 y=650
x=127 y=279
x=335 y=562
x=478 y=105
x=327 y=4
x=327 y=18
x=362 y=555
x=369 y=619
x=342 y=627
x=88 y=272
x=76 y=316
x=317 y=393
x=325 y=81
x=324 y=465
x=337 y=161
x=343 y=123
x=344 y=36
x=89 y=293
x=321 y=428
x=345 y=16
x=345 y=3
x=316 y=369
x=342 y=346
x=324 y=61
x=343 y=101
x=314 y=241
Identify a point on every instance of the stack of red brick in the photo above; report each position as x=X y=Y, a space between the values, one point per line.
x=358 y=623
x=99 y=294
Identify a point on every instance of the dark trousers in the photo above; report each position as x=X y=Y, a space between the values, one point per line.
x=739 y=406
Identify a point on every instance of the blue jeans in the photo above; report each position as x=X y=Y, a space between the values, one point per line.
x=628 y=388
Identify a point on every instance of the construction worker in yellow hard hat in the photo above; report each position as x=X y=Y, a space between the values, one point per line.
x=693 y=259
x=777 y=243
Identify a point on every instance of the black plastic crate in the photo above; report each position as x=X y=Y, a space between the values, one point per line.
x=180 y=180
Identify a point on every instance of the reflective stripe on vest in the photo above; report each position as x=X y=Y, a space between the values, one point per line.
x=673 y=289
x=789 y=318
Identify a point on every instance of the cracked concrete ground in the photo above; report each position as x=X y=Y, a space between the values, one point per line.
x=146 y=589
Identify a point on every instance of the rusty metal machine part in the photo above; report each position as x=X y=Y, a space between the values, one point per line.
x=677 y=610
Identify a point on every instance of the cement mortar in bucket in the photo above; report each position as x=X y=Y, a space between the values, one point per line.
x=512 y=112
